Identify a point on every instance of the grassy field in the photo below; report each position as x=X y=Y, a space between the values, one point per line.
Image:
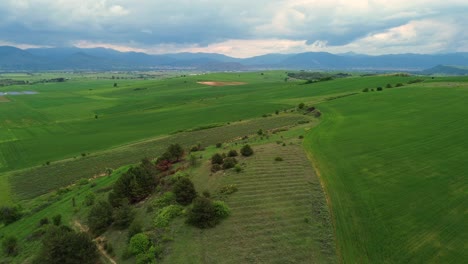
x=394 y=166
x=59 y=123
x=279 y=214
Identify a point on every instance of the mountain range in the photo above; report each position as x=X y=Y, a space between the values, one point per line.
x=40 y=59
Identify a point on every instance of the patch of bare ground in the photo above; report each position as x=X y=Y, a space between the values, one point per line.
x=222 y=83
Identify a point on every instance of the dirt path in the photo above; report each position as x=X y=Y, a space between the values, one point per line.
x=101 y=249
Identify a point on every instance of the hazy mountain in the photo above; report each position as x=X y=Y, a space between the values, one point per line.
x=12 y=58
x=446 y=70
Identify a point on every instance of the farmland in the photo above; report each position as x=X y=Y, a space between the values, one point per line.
x=394 y=166
x=391 y=162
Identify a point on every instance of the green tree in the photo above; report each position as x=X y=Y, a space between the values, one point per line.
x=229 y=162
x=100 y=217
x=217 y=159
x=301 y=106
x=9 y=214
x=184 y=191
x=61 y=245
x=246 y=150
x=139 y=244
x=10 y=246
x=123 y=216
x=202 y=214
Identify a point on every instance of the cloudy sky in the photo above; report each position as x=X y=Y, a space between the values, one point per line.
x=239 y=28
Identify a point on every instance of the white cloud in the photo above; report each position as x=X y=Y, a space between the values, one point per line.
x=241 y=28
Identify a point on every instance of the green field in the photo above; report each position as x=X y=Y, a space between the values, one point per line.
x=392 y=163
x=394 y=166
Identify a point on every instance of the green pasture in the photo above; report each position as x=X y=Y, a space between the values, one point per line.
x=394 y=167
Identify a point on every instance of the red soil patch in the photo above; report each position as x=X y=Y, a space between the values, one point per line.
x=222 y=83
x=3 y=99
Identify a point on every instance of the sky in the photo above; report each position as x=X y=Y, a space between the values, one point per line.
x=239 y=28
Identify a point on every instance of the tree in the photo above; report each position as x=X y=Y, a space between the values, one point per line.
x=139 y=244
x=185 y=191
x=57 y=219
x=100 y=217
x=115 y=84
x=9 y=214
x=232 y=153
x=61 y=245
x=246 y=150
x=379 y=89
x=217 y=159
x=10 y=246
x=202 y=214
x=301 y=106
x=174 y=153
x=123 y=216
x=229 y=162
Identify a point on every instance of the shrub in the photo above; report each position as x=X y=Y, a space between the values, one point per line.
x=388 y=85
x=10 y=246
x=237 y=168
x=278 y=159
x=165 y=215
x=228 y=189
x=100 y=217
x=218 y=145
x=399 y=85
x=57 y=219
x=9 y=214
x=229 y=162
x=164 y=200
x=260 y=132
x=217 y=159
x=44 y=221
x=379 y=89
x=139 y=244
x=206 y=194
x=193 y=160
x=123 y=216
x=301 y=137
x=216 y=167
x=221 y=209
x=232 y=153
x=89 y=199
x=83 y=181
x=134 y=228
x=301 y=106
x=365 y=90
x=184 y=191
x=246 y=150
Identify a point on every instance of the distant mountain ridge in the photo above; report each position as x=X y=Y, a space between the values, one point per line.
x=36 y=59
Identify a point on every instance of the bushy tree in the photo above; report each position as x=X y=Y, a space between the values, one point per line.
x=135 y=184
x=100 y=217
x=217 y=159
x=139 y=244
x=173 y=153
x=246 y=150
x=232 y=153
x=229 y=162
x=9 y=214
x=61 y=245
x=202 y=214
x=123 y=216
x=184 y=191
x=10 y=246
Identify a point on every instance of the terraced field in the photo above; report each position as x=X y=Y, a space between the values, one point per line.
x=279 y=215
x=62 y=173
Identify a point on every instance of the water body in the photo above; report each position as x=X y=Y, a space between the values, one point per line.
x=17 y=93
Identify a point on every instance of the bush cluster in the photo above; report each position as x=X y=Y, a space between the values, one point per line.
x=206 y=213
